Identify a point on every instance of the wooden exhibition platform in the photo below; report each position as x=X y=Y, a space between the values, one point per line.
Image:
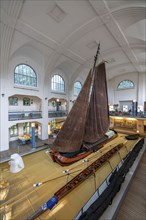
x=22 y=199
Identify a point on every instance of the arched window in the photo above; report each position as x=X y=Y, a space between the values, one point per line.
x=57 y=84
x=25 y=75
x=77 y=87
x=125 y=84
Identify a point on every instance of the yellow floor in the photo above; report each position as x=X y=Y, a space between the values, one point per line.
x=23 y=199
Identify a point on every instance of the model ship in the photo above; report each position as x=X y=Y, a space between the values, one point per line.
x=86 y=128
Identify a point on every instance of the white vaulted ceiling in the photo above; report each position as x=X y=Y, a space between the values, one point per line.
x=66 y=33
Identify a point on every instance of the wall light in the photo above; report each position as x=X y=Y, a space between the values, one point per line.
x=3 y=94
x=32 y=125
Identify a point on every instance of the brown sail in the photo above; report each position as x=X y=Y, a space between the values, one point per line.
x=97 y=122
x=70 y=137
x=86 y=127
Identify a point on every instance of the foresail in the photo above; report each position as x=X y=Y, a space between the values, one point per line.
x=70 y=137
x=98 y=117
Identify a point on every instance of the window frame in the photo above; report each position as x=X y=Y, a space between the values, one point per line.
x=26 y=100
x=59 y=84
x=27 y=79
x=26 y=128
x=128 y=87
x=13 y=128
x=75 y=87
x=13 y=103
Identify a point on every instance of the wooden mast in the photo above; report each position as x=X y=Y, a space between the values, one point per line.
x=70 y=137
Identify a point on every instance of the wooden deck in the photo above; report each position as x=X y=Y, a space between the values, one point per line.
x=134 y=204
x=23 y=199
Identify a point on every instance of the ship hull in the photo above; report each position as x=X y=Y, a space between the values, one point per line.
x=64 y=160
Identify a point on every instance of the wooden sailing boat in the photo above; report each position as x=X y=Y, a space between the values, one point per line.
x=86 y=128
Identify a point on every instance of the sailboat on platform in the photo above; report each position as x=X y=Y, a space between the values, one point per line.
x=86 y=128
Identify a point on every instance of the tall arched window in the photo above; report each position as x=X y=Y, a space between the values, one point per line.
x=25 y=75
x=57 y=84
x=125 y=84
x=77 y=87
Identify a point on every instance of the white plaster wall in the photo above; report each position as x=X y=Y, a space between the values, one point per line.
x=111 y=99
x=4 y=135
x=81 y=78
x=145 y=86
x=138 y=93
x=29 y=56
x=32 y=57
x=36 y=106
x=62 y=107
x=142 y=88
x=52 y=94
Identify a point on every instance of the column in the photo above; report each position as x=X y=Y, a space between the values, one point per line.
x=111 y=122
x=145 y=108
x=4 y=127
x=57 y=105
x=20 y=129
x=33 y=142
x=134 y=108
x=44 y=126
x=140 y=126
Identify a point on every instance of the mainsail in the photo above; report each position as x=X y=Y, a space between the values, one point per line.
x=88 y=119
x=97 y=120
x=70 y=137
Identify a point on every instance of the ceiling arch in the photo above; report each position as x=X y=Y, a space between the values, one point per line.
x=67 y=33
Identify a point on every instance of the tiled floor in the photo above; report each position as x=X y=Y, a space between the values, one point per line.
x=17 y=147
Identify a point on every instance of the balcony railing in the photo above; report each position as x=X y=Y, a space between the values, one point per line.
x=127 y=114
x=23 y=115
x=53 y=114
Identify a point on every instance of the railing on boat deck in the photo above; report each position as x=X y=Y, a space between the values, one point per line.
x=23 y=115
x=97 y=192
x=60 y=113
x=114 y=179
